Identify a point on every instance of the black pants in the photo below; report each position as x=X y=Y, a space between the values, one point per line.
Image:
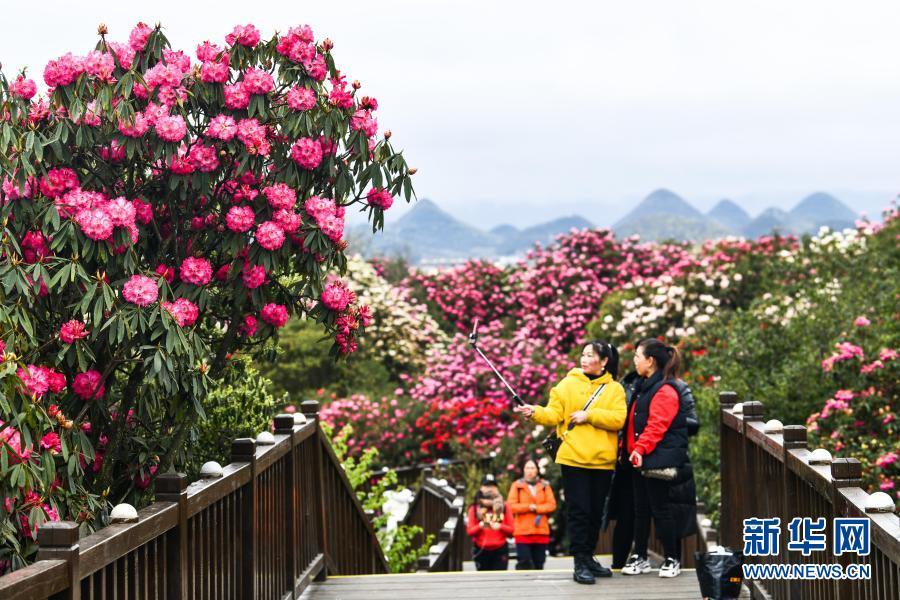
x=623 y=509
x=490 y=560
x=530 y=556
x=586 y=491
x=651 y=497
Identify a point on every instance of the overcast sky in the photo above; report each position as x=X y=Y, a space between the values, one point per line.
x=522 y=111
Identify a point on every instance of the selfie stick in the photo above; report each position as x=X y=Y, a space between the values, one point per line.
x=473 y=341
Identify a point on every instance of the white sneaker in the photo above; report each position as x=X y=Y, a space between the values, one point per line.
x=636 y=565
x=670 y=568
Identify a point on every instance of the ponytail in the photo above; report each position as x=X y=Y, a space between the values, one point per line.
x=667 y=358
x=606 y=350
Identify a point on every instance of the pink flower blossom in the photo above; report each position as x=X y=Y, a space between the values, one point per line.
x=253 y=276
x=214 y=72
x=240 y=219
x=208 y=51
x=95 y=223
x=887 y=354
x=124 y=53
x=380 y=198
x=248 y=327
x=289 y=221
x=63 y=71
x=301 y=98
x=362 y=120
x=269 y=235
x=307 y=153
x=121 y=212
x=140 y=290
x=171 y=128
x=58 y=182
x=237 y=97
x=143 y=211
x=88 y=385
x=245 y=35
x=204 y=158
x=72 y=330
x=274 y=314
x=280 y=195
x=862 y=322
x=886 y=460
x=23 y=88
x=257 y=81
x=196 y=271
x=136 y=128
x=183 y=311
x=253 y=136
x=336 y=296
x=56 y=381
x=139 y=36
x=50 y=441
x=222 y=127
x=35 y=379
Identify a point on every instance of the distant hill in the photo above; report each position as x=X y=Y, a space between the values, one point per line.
x=729 y=214
x=664 y=215
x=771 y=220
x=820 y=209
x=427 y=233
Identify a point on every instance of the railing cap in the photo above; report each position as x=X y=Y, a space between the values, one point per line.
x=309 y=407
x=243 y=450
x=171 y=483
x=55 y=534
x=727 y=399
x=846 y=468
x=794 y=434
x=753 y=411
x=284 y=423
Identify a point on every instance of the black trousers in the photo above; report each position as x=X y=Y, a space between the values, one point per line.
x=651 y=497
x=490 y=560
x=586 y=491
x=623 y=509
x=530 y=556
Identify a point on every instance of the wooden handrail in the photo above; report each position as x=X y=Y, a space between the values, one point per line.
x=280 y=516
x=768 y=474
x=439 y=510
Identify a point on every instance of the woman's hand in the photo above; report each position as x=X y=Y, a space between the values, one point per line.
x=524 y=409
x=636 y=459
x=579 y=417
x=532 y=508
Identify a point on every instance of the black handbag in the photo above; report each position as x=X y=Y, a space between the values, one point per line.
x=552 y=442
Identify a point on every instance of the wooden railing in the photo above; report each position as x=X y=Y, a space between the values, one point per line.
x=281 y=515
x=768 y=474
x=438 y=509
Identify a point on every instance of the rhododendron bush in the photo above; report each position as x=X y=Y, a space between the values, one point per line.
x=161 y=210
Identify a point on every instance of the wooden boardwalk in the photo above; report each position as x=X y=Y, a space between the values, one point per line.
x=555 y=584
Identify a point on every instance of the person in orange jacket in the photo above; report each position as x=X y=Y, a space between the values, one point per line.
x=489 y=524
x=531 y=501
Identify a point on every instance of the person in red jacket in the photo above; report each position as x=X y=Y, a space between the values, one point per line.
x=489 y=524
x=656 y=443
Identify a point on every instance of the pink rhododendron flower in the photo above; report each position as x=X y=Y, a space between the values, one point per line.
x=886 y=460
x=35 y=379
x=862 y=322
x=183 y=311
x=72 y=330
x=58 y=182
x=205 y=158
x=141 y=482
x=166 y=272
x=274 y=314
x=34 y=246
x=301 y=98
x=63 y=71
x=336 y=296
x=124 y=53
x=269 y=235
x=214 y=72
x=56 y=381
x=139 y=36
x=50 y=441
x=95 y=223
x=140 y=290
x=887 y=354
x=871 y=367
x=280 y=195
x=237 y=97
x=248 y=327
x=196 y=271
x=307 y=153
x=240 y=219
x=380 y=198
x=245 y=35
x=289 y=221
x=121 y=211
x=362 y=120
x=135 y=129
x=88 y=385
x=222 y=127
x=23 y=88
x=253 y=276
x=171 y=128
x=99 y=64
x=257 y=81
x=253 y=136
x=208 y=51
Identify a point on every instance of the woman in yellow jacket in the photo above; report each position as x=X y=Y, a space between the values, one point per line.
x=531 y=501
x=594 y=402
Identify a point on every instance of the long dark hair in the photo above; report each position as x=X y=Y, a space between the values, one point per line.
x=667 y=357
x=606 y=350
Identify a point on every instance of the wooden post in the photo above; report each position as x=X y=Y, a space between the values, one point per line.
x=845 y=473
x=794 y=438
x=284 y=425
x=58 y=540
x=310 y=408
x=753 y=411
x=243 y=450
x=172 y=487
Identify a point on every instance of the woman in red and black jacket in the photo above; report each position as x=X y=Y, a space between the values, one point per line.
x=489 y=524
x=656 y=443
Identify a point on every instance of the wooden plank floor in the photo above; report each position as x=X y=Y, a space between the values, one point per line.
x=554 y=584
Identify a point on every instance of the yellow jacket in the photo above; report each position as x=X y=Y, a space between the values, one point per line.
x=594 y=444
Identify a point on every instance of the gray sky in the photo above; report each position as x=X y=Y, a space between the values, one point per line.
x=522 y=111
